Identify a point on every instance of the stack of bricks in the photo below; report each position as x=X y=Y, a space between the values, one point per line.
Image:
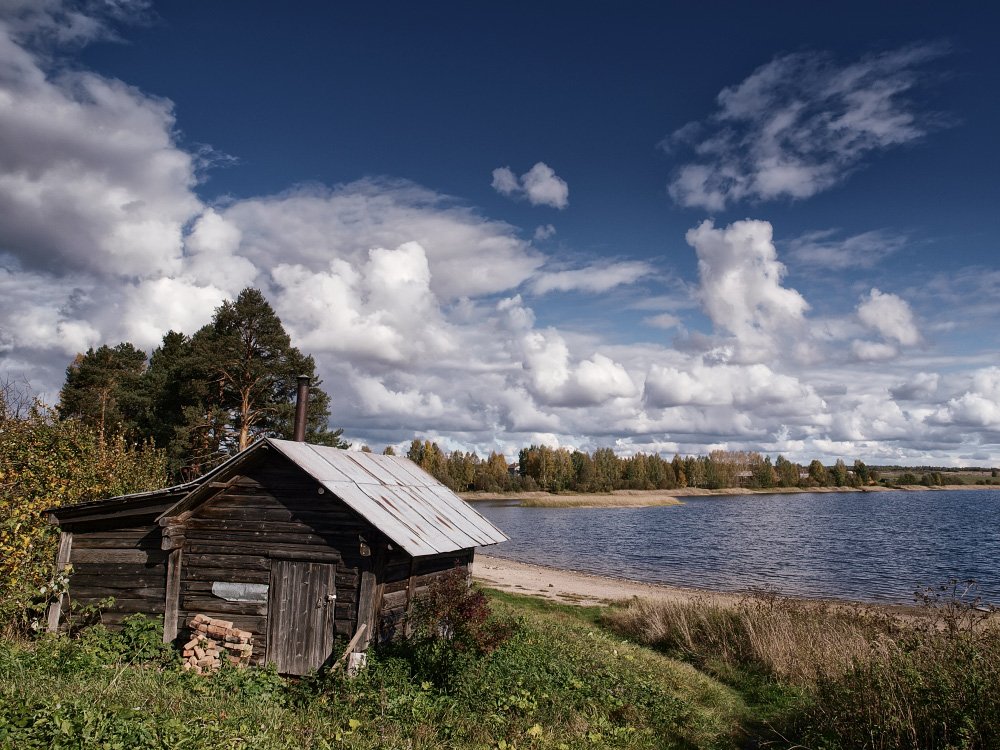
x=209 y=636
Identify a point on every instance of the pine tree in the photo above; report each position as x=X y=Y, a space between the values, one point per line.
x=103 y=390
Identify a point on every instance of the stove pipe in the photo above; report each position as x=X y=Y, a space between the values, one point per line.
x=301 y=405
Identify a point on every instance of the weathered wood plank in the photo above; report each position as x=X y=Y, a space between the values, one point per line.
x=112 y=532
x=235 y=546
x=156 y=580
x=326 y=516
x=140 y=556
x=413 y=581
x=213 y=605
x=102 y=592
x=242 y=562
x=172 y=595
x=192 y=573
x=122 y=604
x=198 y=523
x=270 y=539
x=147 y=542
x=63 y=556
x=395 y=599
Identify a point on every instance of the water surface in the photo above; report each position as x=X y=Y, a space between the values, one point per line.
x=863 y=546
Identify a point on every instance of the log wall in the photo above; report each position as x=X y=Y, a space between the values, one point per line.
x=125 y=563
x=273 y=511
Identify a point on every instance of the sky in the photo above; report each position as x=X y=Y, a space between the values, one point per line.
x=656 y=227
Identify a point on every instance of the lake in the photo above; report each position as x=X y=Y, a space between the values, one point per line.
x=863 y=546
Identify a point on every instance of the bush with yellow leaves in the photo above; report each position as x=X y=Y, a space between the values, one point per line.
x=46 y=462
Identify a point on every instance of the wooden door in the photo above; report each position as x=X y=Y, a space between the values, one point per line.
x=300 y=610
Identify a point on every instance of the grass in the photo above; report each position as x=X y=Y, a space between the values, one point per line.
x=561 y=681
x=768 y=672
x=842 y=677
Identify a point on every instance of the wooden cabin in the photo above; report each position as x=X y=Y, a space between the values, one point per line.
x=296 y=543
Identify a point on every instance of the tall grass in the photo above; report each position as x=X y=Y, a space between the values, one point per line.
x=868 y=679
x=791 y=640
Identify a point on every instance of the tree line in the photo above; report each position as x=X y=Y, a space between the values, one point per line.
x=540 y=467
x=204 y=397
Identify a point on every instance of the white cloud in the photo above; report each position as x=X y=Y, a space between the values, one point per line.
x=599 y=277
x=544 y=232
x=540 y=185
x=663 y=320
x=91 y=178
x=890 y=316
x=557 y=381
x=741 y=286
x=505 y=181
x=978 y=407
x=748 y=387
x=468 y=255
x=920 y=386
x=822 y=250
x=873 y=351
x=384 y=309
x=799 y=125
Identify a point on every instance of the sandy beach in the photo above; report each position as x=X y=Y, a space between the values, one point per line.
x=645 y=498
x=587 y=589
x=572 y=587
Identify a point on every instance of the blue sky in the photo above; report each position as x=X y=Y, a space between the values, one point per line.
x=657 y=227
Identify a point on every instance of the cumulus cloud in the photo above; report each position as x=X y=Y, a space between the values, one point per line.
x=823 y=249
x=800 y=124
x=920 y=386
x=90 y=177
x=384 y=309
x=890 y=316
x=748 y=387
x=741 y=285
x=540 y=185
x=556 y=380
x=978 y=407
x=467 y=254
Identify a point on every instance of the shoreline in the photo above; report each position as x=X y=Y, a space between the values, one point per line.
x=646 y=498
x=590 y=589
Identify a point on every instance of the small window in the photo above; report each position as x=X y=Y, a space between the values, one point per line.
x=240 y=592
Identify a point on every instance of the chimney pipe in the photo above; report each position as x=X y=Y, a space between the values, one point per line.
x=301 y=405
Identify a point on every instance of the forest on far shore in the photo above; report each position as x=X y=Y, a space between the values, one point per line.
x=548 y=469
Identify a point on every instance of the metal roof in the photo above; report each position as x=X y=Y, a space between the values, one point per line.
x=395 y=495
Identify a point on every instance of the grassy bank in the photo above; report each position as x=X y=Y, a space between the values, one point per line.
x=767 y=672
x=561 y=681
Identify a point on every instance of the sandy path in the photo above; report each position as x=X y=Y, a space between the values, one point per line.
x=571 y=587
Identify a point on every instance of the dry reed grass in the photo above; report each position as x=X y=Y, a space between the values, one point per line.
x=794 y=641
